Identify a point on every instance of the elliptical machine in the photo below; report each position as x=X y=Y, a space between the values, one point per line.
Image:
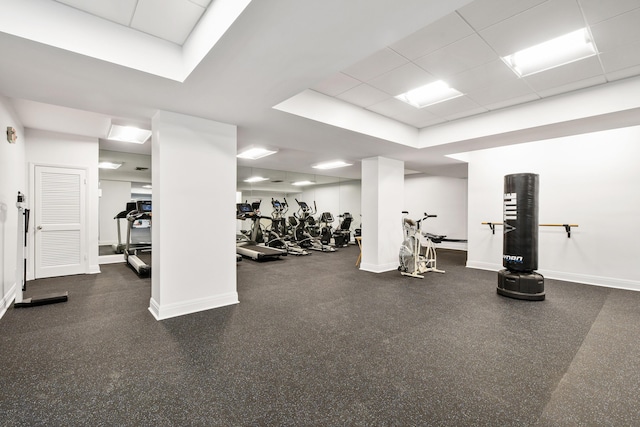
x=417 y=253
x=278 y=230
x=303 y=230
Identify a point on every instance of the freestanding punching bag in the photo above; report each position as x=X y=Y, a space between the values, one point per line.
x=520 y=240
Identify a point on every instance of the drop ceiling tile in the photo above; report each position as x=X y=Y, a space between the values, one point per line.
x=565 y=75
x=573 y=85
x=500 y=92
x=363 y=95
x=336 y=84
x=453 y=106
x=618 y=59
x=491 y=74
x=433 y=37
x=536 y=25
x=598 y=10
x=377 y=64
x=511 y=102
x=619 y=31
x=465 y=113
x=402 y=79
x=118 y=11
x=484 y=13
x=170 y=20
x=405 y=113
x=624 y=73
x=201 y=3
x=459 y=56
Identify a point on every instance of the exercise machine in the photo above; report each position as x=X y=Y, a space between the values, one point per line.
x=417 y=252
x=307 y=227
x=119 y=247
x=279 y=235
x=139 y=217
x=342 y=235
x=23 y=232
x=248 y=246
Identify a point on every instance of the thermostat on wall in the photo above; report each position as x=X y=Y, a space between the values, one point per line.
x=12 y=136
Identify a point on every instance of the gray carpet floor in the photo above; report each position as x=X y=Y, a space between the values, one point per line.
x=316 y=342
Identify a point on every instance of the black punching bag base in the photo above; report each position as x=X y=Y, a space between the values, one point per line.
x=518 y=285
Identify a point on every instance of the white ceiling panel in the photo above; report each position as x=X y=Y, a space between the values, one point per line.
x=170 y=20
x=459 y=114
x=336 y=84
x=623 y=74
x=484 y=13
x=599 y=10
x=564 y=75
x=201 y=3
x=405 y=113
x=621 y=58
x=118 y=11
x=453 y=106
x=433 y=37
x=503 y=91
x=375 y=65
x=459 y=56
x=619 y=31
x=494 y=73
x=363 y=95
x=541 y=23
x=572 y=85
x=512 y=101
x=402 y=79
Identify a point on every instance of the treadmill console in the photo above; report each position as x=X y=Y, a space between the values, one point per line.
x=303 y=206
x=244 y=208
x=143 y=206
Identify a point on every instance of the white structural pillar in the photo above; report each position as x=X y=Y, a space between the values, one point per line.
x=193 y=231
x=382 y=204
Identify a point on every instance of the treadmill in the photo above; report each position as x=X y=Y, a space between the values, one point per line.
x=250 y=248
x=119 y=247
x=138 y=257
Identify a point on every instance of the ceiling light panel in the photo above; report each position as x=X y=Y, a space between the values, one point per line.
x=302 y=183
x=556 y=52
x=128 y=134
x=255 y=153
x=109 y=165
x=332 y=165
x=402 y=79
x=256 y=179
x=429 y=94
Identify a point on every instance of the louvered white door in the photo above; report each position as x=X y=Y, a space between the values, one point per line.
x=59 y=220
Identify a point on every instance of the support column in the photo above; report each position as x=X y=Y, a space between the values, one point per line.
x=193 y=264
x=382 y=204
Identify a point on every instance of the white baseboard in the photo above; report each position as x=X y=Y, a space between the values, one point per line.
x=167 y=311
x=110 y=259
x=382 y=268
x=8 y=299
x=587 y=279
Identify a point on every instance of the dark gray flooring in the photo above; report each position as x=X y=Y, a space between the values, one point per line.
x=316 y=342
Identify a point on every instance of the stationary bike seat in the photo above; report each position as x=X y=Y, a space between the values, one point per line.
x=435 y=238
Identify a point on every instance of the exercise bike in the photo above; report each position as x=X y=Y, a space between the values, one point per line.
x=417 y=253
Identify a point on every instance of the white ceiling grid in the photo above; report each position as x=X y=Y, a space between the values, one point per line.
x=171 y=20
x=464 y=49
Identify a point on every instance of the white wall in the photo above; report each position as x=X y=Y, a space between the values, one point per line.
x=73 y=151
x=590 y=180
x=335 y=198
x=12 y=179
x=113 y=199
x=442 y=196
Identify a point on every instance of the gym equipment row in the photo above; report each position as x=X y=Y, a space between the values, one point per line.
x=294 y=235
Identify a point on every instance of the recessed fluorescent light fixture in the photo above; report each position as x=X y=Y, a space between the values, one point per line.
x=332 y=165
x=128 y=134
x=430 y=94
x=146 y=186
x=109 y=165
x=302 y=183
x=256 y=153
x=553 y=53
x=256 y=179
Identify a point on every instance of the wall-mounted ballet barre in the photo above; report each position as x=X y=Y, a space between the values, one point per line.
x=567 y=227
